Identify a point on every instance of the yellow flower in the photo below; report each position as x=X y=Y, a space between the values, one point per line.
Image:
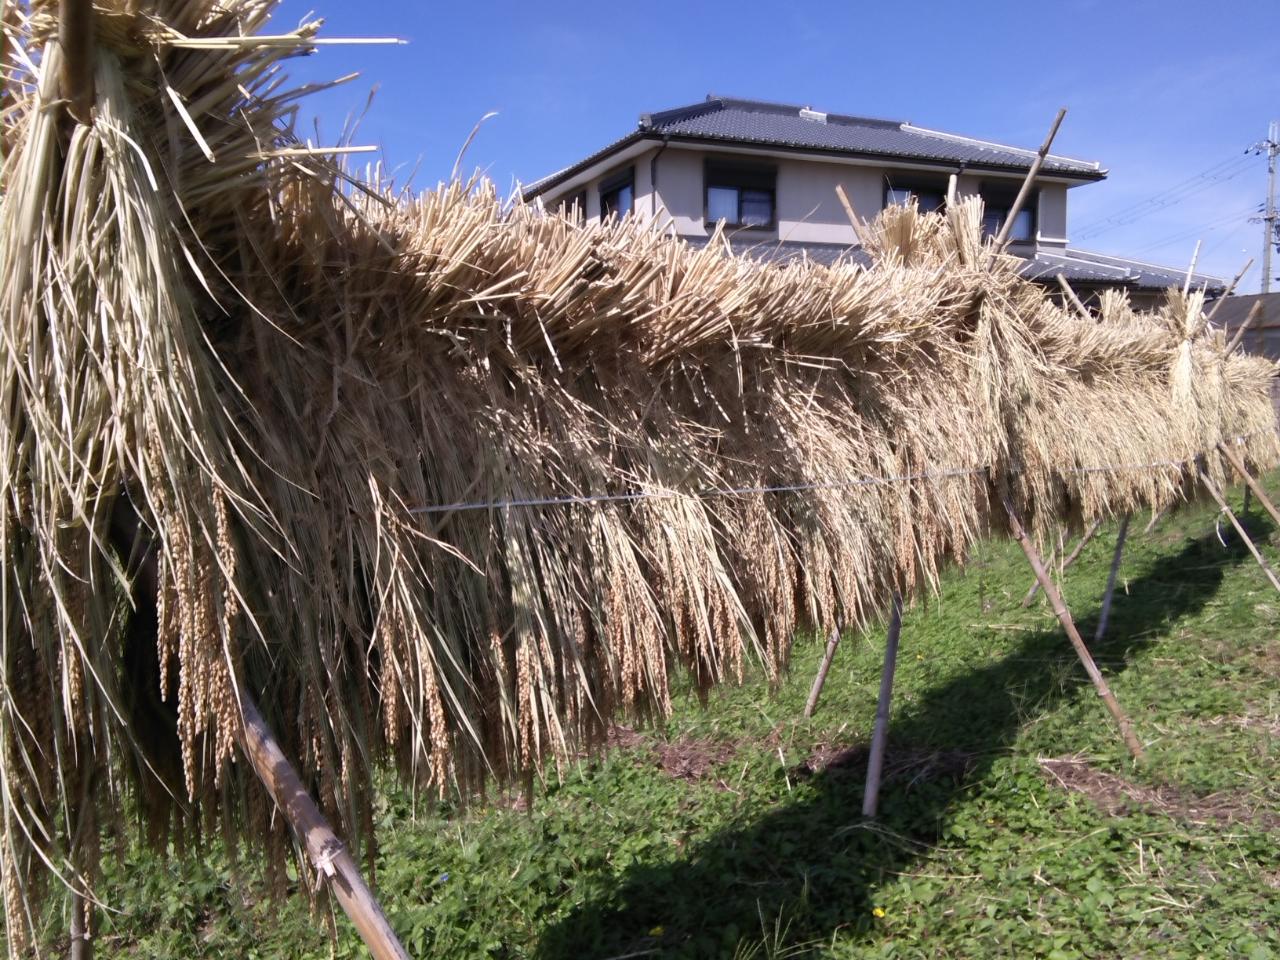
x=878 y=913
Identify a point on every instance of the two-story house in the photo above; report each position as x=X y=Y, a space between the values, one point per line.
x=769 y=172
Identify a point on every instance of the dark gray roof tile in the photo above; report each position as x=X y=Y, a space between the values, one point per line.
x=754 y=122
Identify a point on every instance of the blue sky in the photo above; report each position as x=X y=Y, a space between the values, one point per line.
x=1160 y=91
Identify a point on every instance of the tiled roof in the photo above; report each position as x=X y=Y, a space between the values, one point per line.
x=1234 y=309
x=1076 y=266
x=757 y=123
x=1083 y=266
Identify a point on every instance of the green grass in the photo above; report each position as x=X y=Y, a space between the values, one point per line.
x=977 y=853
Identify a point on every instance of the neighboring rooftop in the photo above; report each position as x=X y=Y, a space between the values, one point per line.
x=1235 y=309
x=1078 y=267
x=1085 y=267
x=729 y=120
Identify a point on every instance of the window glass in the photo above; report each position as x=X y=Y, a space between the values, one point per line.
x=617 y=201
x=926 y=200
x=757 y=208
x=1023 y=226
x=740 y=194
x=722 y=204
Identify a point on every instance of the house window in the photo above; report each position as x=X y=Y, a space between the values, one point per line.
x=996 y=207
x=740 y=195
x=929 y=197
x=618 y=194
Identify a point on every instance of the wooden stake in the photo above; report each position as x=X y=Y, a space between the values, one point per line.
x=327 y=853
x=880 y=735
x=75 y=36
x=1262 y=562
x=1068 y=625
x=1251 y=484
x=1071 y=558
x=1105 y=614
x=816 y=690
x=81 y=945
x=1155 y=518
x=1007 y=227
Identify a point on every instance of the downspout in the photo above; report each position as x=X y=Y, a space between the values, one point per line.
x=653 y=178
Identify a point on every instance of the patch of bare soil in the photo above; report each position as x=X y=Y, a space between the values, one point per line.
x=1113 y=794
x=688 y=760
x=902 y=763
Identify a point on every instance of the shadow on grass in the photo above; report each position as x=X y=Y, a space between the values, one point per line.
x=816 y=862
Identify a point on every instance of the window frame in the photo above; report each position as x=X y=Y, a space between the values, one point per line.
x=615 y=184
x=1001 y=197
x=917 y=186
x=742 y=177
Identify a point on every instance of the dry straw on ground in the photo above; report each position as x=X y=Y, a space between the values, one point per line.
x=233 y=371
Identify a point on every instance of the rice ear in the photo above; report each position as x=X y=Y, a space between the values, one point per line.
x=448 y=482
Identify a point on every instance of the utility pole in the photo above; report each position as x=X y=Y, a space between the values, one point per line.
x=1269 y=235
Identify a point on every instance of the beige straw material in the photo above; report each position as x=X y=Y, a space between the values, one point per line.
x=268 y=365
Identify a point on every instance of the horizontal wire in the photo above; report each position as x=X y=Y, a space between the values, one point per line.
x=866 y=481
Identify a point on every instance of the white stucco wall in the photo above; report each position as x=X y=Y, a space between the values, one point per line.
x=808 y=208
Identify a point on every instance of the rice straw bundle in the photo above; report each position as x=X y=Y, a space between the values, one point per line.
x=450 y=483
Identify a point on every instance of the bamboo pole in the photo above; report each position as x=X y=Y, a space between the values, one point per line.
x=326 y=852
x=880 y=735
x=1007 y=227
x=851 y=213
x=828 y=655
x=1105 y=614
x=1068 y=625
x=1227 y=292
x=75 y=37
x=1071 y=558
x=1073 y=299
x=1262 y=561
x=1254 y=313
x=1237 y=464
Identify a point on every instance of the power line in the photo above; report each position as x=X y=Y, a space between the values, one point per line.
x=1198 y=231
x=1192 y=187
x=1210 y=175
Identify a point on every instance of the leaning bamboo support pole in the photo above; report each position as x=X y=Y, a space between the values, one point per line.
x=880 y=734
x=1262 y=561
x=75 y=36
x=1072 y=299
x=1071 y=558
x=1105 y=613
x=1068 y=625
x=327 y=853
x=820 y=680
x=1250 y=483
x=1227 y=292
x=1020 y=201
x=1254 y=313
x=852 y=214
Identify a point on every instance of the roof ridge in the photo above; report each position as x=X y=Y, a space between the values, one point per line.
x=773 y=105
